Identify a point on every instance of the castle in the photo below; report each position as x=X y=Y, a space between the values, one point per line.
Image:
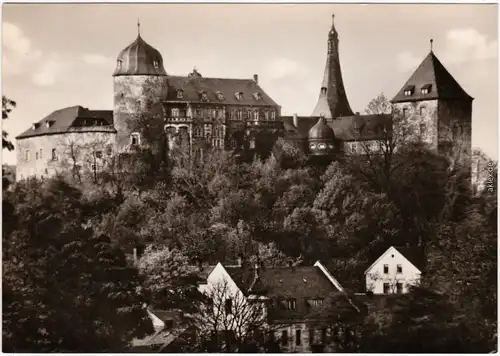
x=237 y=114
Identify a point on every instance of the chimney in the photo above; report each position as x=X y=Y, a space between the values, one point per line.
x=256 y=78
x=295 y=120
x=135 y=256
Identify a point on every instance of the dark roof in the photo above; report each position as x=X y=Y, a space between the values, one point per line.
x=346 y=127
x=139 y=58
x=413 y=254
x=65 y=120
x=321 y=131
x=194 y=85
x=432 y=75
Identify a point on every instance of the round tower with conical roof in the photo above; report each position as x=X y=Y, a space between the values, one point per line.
x=139 y=83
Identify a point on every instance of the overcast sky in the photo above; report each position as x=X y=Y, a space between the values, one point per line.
x=59 y=55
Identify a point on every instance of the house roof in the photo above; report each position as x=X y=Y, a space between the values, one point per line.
x=414 y=255
x=346 y=128
x=218 y=90
x=432 y=75
x=65 y=120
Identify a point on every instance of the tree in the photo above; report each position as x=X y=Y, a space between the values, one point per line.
x=231 y=322
x=66 y=289
x=7 y=106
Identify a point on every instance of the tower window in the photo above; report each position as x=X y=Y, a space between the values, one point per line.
x=423 y=129
x=423 y=111
x=405 y=112
x=156 y=64
x=54 y=154
x=135 y=139
x=409 y=90
x=119 y=64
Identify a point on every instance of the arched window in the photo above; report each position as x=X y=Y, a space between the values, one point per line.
x=135 y=139
x=198 y=131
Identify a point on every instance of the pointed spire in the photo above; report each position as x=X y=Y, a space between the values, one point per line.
x=138 y=27
x=431 y=43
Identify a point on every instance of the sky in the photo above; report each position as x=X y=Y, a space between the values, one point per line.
x=60 y=55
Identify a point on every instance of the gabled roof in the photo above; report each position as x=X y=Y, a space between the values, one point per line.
x=433 y=76
x=346 y=128
x=65 y=120
x=414 y=255
x=193 y=86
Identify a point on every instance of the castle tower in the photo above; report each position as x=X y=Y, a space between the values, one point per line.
x=332 y=101
x=435 y=108
x=139 y=81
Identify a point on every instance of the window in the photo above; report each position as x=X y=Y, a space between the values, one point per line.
x=455 y=131
x=386 y=269
x=220 y=96
x=36 y=155
x=399 y=269
x=27 y=155
x=266 y=114
x=426 y=89
x=256 y=96
x=155 y=64
x=135 y=139
x=204 y=96
x=386 y=288
x=180 y=94
x=41 y=153
x=54 y=154
x=214 y=113
x=174 y=112
x=238 y=95
x=198 y=131
x=298 y=338
x=291 y=304
x=405 y=112
x=119 y=64
x=316 y=302
x=423 y=111
x=98 y=154
x=229 y=306
x=399 y=288
x=273 y=115
x=255 y=115
x=409 y=90
x=284 y=337
x=240 y=114
x=249 y=114
x=423 y=129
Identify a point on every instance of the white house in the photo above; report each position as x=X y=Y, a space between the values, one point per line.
x=395 y=271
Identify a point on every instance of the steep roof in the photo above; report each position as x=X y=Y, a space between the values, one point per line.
x=346 y=128
x=65 y=120
x=414 y=254
x=433 y=76
x=194 y=85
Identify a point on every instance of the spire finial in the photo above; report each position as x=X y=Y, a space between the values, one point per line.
x=138 y=27
x=431 y=43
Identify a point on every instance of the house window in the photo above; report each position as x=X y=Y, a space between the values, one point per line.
x=316 y=302
x=399 y=288
x=266 y=114
x=423 y=111
x=386 y=288
x=98 y=154
x=291 y=304
x=249 y=114
x=135 y=139
x=27 y=155
x=409 y=90
x=174 y=112
x=405 y=112
x=240 y=114
x=229 y=306
x=426 y=89
x=399 y=269
x=298 y=338
x=54 y=154
x=198 y=131
x=423 y=129
x=180 y=94
x=273 y=115
x=386 y=269
x=155 y=64
x=214 y=113
x=204 y=96
x=284 y=337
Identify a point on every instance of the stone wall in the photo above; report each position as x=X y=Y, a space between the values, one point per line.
x=455 y=126
x=44 y=156
x=134 y=98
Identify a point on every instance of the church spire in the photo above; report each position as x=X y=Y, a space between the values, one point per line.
x=332 y=101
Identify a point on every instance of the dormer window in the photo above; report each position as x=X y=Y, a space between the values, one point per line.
x=220 y=96
x=49 y=123
x=204 y=96
x=156 y=64
x=36 y=125
x=119 y=64
x=409 y=90
x=426 y=89
x=180 y=94
x=238 y=95
x=256 y=96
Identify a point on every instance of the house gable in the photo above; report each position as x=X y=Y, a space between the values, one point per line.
x=329 y=276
